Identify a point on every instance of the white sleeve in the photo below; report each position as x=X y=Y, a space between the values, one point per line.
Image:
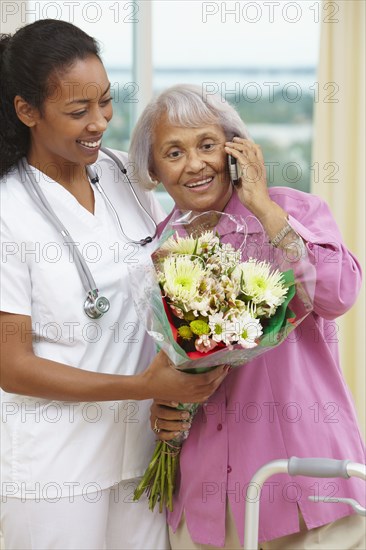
x=16 y=289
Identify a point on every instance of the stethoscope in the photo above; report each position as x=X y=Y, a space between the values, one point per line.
x=94 y=306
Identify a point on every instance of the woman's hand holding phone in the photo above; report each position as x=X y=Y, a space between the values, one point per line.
x=248 y=174
x=253 y=191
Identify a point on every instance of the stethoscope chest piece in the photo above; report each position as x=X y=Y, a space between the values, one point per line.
x=95 y=306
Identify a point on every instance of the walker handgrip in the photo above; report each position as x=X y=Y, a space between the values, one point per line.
x=318 y=467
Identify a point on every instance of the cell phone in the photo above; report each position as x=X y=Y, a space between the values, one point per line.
x=233 y=171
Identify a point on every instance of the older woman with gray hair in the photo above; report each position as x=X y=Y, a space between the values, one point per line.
x=291 y=401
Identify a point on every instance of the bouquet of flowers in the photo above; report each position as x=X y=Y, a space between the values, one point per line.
x=205 y=306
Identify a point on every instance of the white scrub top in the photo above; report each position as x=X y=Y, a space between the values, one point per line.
x=54 y=449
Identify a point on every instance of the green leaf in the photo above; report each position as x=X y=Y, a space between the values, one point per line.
x=279 y=320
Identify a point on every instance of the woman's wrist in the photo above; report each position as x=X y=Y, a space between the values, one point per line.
x=278 y=229
x=135 y=387
x=273 y=219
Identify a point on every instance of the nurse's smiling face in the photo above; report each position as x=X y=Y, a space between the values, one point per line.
x=70 y=127
x=192 y=165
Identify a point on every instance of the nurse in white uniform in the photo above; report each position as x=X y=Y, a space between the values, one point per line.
x=76 y=364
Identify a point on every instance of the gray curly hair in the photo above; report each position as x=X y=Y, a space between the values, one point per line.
x=185 y=105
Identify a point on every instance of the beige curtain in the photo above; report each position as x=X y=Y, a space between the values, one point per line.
x=339 y=160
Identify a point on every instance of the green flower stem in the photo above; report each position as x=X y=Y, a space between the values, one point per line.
x=162 y=479
x=170 y=483
x=154 y=494
x=159 y=479
x=156 y=479
x=149 y=474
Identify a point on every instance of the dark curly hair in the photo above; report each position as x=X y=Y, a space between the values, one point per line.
x=28 y=60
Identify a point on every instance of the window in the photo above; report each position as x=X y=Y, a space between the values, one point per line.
x=111 y=23
x=261 y=56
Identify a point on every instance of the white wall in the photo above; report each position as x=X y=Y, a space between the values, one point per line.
x=12 y=15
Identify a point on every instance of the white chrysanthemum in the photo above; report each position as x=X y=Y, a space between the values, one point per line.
x=216 y=323
x=222 y=329
x=260 y=284
x=182 y=278
x=249 y=329
x=181 y=245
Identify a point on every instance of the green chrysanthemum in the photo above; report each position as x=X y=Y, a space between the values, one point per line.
x=185 y=332
x=199 y=327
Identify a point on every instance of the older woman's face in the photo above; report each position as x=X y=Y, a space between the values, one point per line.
x=192 y=165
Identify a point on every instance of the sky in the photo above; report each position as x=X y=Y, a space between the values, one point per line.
x=195 y=33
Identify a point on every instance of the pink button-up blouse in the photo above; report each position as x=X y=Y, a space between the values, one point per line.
x=291 y=401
